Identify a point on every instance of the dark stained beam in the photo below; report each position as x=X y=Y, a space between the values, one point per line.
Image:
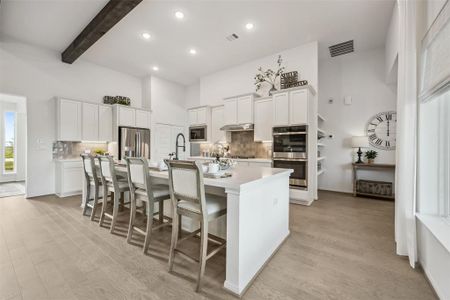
x=110 y=15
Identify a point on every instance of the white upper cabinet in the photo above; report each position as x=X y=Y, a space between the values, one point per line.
x=198 y=116
x=281 y=109
x=142 y=119
x=290 y=107
x=89 y=122
x=217 y=121
x=68 y=115
x=230 y=111
x=263 y=120
x=298 y=107
x=105 y=123
x=245 y=109
x=127 y=116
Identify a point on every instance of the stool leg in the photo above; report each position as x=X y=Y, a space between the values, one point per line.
x=104 y=206
x=115 y=211
x=132 y=217
x=122 y=200
x=95 y=203
x=203 y=252
x=87 y=197
x=173 y=244
x=148 y=232
x=161 y=211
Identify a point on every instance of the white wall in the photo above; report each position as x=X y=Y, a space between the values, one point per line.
x=240 y=79
x=39 y=75
x=168 y=104
x=193 y=95
x=360 y=75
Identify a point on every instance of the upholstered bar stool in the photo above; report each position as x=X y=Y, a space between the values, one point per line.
x=142 y=188
x=187 y=192
x=111 y=183
x=92 y=180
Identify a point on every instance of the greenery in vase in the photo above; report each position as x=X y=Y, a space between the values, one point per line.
x=371 y=154
x=269 y=75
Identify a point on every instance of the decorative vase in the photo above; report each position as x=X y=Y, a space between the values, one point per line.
x=370 y=161
x=272 y=90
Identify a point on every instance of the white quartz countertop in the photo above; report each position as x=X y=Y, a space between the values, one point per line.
x=242 y=177
x=236 y=159
x=70 y=159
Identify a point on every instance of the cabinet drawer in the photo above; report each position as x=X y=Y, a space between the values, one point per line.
x=72 y=180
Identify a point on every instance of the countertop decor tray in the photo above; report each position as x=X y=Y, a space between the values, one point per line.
x=216 y=176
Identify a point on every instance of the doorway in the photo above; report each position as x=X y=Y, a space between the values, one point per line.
x=13 y=138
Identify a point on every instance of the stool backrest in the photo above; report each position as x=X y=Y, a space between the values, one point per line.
x=186 y=182
x=107 y=171
x=138 y=176
x=90 y=172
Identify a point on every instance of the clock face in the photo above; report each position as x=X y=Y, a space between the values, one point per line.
x=381 y=130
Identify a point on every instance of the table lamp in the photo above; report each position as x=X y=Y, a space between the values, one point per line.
x=360 y=142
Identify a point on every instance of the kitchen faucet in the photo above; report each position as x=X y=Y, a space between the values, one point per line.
x=178 y=146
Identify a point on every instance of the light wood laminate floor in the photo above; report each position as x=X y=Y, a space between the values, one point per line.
x=339 y=248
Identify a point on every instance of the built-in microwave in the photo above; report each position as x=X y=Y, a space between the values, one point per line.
x=198 y=134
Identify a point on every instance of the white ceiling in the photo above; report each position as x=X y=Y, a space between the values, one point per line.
x=278 y=25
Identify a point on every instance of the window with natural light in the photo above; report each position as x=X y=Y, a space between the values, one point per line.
x=9 y=149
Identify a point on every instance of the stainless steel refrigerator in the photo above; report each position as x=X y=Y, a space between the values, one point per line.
x=134 y=142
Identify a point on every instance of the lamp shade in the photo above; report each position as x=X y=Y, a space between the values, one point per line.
x=360 y=142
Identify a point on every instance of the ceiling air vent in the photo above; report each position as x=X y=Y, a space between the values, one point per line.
x=341 y=49
x=232 y=37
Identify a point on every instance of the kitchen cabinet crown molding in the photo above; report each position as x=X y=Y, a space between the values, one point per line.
x=304 y=87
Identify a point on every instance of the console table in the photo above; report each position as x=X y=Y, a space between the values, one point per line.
x=373 y=166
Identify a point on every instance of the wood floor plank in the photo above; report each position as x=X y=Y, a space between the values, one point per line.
x=341 y=247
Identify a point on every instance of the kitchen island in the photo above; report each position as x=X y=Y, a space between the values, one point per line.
x=257 y=220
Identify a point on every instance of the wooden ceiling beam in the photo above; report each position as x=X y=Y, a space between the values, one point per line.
x=110 y=15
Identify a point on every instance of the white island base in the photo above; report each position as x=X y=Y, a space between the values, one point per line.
x=257 y=224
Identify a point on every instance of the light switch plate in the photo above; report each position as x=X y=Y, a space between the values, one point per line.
x=348 y=100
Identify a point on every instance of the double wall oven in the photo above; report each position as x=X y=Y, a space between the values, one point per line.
x=290 y=151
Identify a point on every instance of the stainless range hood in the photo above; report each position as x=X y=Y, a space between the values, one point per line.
x=238 y=127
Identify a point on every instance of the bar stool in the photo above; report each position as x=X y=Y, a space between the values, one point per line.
x=112 y=184
x=91 y=180
x=187 y=192
x=142 y=188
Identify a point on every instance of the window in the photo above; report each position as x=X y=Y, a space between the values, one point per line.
x=9 y=142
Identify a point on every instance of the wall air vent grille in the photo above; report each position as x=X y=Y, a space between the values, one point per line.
x=342 y=48
x=232 y=37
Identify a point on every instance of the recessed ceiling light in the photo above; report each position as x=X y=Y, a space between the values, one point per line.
x=249 y=26
x=192 y=51
x=179 y=15
x=155 y=68
x=146 y=35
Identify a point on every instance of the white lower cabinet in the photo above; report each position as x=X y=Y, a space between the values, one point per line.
x=69 y=177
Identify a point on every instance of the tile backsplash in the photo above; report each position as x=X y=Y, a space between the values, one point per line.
x=74 y=149
x=242 y=144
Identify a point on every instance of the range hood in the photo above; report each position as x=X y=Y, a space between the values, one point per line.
x=238 y=127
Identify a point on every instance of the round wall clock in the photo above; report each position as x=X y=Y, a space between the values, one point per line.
x=381 y=130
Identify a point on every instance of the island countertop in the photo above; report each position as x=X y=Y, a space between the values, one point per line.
x=241 y=177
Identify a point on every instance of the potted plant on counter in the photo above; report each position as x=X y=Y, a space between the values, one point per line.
x=370 y=155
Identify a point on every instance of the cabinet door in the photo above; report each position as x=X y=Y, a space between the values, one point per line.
x=69 y=119
x=281 y=109
x=90 y=122
x=217 y=122
x=127 y=116
x=245 y=110
x=298 y=107
x=72 y=179
x=230 y=111
x=105 y=123
x=142 y=119
x=192 y=116
x=201 y=116
x=263 y=120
